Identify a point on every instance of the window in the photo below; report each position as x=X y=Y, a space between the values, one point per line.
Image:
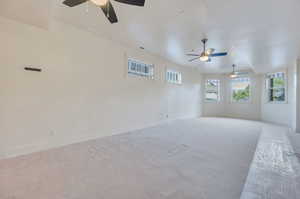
x=140 y=69
x=212 y=90
x=173 y=77
x=240 y=89
x=276 y=87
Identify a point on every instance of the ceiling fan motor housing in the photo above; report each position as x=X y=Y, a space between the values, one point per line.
x=204 y=40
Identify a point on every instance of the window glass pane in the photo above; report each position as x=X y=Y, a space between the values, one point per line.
x=139 y=69
x=133 y=66
x=180 y=81
x=240 y=89
x=146 y=71
x=277 y=81
x=212 y=89
x=277 y=95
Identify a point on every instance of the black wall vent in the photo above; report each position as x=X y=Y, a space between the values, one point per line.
x=33 y=69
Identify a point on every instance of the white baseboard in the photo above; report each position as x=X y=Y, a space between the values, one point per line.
x=53 y=143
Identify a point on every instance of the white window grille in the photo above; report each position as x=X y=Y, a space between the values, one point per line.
x=139 y=68
x=174 y=77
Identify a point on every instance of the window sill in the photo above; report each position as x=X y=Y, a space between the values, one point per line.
x=249 y=102
x=210 y=102
x=276 y=102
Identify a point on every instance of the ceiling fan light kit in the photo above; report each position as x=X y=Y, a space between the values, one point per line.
x=233 y=76
x=236 y=74
x=99 y=2
x=106 y=6
x=204 y=57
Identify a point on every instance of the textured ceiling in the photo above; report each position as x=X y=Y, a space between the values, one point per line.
x=259 y=34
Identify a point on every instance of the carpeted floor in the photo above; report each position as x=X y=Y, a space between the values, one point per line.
x=205 y=158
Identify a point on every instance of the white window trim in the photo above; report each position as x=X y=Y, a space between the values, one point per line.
x=140 y=75
x=266 y=89
x=219 y=92
x=173 y=82
x=232 y=101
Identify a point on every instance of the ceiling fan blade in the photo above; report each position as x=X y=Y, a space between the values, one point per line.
x=72 y=3
x=109 y=12
x=242 y=73
x=190 y=54
x=133 y=2
x=194 y=59
x=218 y=54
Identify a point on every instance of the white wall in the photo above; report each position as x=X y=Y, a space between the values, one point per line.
x=83 y=92
x=225 y=108
x=284 y=114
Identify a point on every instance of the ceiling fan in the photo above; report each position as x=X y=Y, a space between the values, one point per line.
x=106 y=6
x=207 y=54
x=235 y=74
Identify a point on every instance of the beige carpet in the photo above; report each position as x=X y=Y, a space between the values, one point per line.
x=275 y=169
x=205 y=158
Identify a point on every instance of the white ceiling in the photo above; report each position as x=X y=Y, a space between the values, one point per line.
x=258 y=34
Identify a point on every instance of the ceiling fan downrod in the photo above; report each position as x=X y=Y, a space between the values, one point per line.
x=204 y=42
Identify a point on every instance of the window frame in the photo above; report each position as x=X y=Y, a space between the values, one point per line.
x=266 y=92
x=135 y=73
x=249 y=101
x=219 y=90
x=173 y=77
